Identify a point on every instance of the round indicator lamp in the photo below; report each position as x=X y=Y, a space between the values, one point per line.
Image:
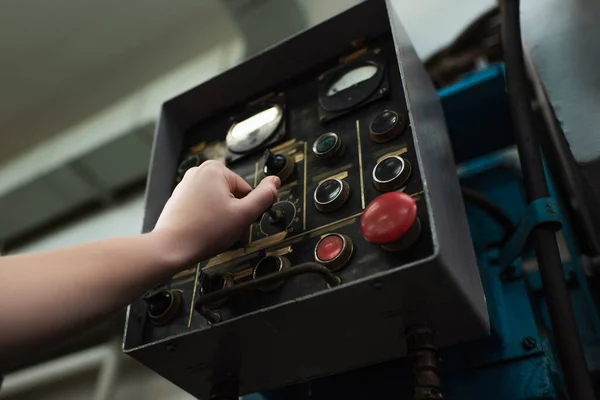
x=391 y=173
x=386 y=126
x=328 y=145
x=331 y=194
x=334 y=251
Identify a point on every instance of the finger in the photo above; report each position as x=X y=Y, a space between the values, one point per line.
x=261 y=198
x=237 y=185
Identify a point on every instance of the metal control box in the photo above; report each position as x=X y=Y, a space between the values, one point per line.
x=337 y=77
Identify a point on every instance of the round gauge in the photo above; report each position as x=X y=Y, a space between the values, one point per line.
x=250 y=133
x=349 y=85
x=351 y=78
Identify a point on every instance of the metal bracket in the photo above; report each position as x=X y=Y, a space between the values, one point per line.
x=539 y=212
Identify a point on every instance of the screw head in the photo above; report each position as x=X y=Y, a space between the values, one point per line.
x=528 y=343
x=171 y=347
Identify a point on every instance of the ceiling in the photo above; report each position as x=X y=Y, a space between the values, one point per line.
x=63 y=60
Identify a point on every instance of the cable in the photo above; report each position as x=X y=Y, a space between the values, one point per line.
x=568 y=343
x=300 y=269
x=486 y=205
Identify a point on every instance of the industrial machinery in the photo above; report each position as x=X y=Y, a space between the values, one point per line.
x=367 y=255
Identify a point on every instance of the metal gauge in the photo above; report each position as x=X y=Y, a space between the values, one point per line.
x=349 y=85
x=250 y=133
x=351 y=78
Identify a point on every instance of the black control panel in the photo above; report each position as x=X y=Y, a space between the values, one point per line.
x=331 y=168
x=367 y=237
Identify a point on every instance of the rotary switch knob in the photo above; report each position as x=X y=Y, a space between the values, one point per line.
x=163 y=306
x=386 y=126
x=331 y=194
x=391 y=173
x=391 y=221
x=278 y=164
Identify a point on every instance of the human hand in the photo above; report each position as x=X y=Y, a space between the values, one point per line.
x=209 y=210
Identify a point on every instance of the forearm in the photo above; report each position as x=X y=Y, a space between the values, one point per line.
x=45 y=297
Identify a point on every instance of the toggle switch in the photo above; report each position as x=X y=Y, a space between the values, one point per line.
x=278 y=165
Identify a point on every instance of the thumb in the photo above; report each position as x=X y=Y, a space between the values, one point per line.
x=255 y=203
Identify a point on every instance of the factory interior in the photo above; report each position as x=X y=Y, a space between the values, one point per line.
x=436 y=234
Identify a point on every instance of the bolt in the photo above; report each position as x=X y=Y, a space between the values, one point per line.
x=382 y=90
x=322 y=118
x=529 y=343
x=171 y=347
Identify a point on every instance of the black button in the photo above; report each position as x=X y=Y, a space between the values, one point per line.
x=328 y=191
x=389 y=169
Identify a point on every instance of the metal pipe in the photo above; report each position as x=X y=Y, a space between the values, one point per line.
x=305 y=268
x=568 y=343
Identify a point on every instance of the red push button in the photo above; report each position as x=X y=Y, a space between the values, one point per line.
x=334 y=251
x=391 y=221
x=330 y=247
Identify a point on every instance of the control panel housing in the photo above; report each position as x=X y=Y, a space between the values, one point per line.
x=338 y=150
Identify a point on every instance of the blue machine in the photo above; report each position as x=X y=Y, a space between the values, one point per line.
x=517 y=360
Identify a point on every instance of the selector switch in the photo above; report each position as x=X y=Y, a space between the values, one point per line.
x=334 y=251
x=386 y=126
x=278 y=164
x=328 y=146
x=163 y=306
x=391 y=221
x=331 y=194
x=391 y=173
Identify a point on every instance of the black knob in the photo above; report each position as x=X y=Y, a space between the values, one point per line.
x=277 y=164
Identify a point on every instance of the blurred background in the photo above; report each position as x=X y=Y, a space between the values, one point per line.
x=81 y=86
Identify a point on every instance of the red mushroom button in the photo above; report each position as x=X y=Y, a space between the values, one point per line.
x=391 y=221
